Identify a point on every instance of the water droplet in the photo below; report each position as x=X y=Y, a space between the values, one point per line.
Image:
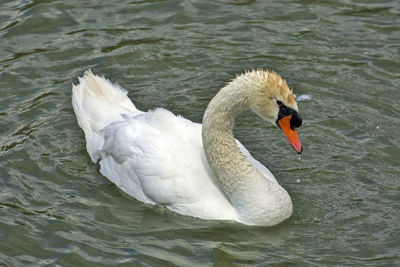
x=302 y=98
x=298 y=180
x=377 y=127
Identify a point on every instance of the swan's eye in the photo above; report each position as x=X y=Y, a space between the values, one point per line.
x=295 y=121
x=279 y=103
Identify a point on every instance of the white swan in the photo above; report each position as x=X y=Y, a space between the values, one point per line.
x=190 y=168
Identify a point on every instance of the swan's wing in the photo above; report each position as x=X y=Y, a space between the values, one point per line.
x=261 y=168
x=134 y=155
x=157 y=157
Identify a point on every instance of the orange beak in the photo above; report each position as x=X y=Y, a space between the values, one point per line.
x=291 y=134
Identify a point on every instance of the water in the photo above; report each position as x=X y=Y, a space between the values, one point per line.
x=56 y=209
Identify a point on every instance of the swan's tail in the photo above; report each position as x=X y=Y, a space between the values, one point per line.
x=97 y=102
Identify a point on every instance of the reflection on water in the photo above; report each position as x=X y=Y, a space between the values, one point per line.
x=341 y=58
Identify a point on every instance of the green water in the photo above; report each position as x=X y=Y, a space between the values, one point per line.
x=341 y=57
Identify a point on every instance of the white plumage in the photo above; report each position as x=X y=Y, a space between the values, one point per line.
x=159 y=158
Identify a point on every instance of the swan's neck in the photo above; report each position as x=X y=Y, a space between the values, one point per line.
x=256 y=199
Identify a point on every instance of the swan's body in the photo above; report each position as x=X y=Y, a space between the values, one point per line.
x=190 y=168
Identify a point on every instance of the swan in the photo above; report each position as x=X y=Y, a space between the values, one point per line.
x=193 y=169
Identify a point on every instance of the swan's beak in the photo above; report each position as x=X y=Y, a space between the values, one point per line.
x=290 y=133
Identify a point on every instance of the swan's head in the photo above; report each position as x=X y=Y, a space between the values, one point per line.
x=273 y=101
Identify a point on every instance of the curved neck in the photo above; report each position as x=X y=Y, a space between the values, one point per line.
x=228 y=163
x=251 y=194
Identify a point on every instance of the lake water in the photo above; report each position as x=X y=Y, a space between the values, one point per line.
x=341 y=57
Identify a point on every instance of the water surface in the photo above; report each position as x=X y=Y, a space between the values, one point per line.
x=341 y=58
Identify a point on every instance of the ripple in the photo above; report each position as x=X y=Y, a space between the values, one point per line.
x=132 y=43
